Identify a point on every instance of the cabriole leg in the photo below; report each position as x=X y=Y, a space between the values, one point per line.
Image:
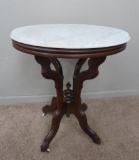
x=78 y=79
x=57 y=77
x=54 y=128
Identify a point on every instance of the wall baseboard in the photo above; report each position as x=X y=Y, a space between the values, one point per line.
x=46 y=98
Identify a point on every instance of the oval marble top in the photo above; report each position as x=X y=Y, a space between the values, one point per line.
x=70 y=36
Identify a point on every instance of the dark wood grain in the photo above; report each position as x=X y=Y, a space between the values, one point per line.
x=68 y=101
x=57 y=77
x=78 y=79
x=68 y=53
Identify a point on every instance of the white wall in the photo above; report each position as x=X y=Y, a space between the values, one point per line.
x=20 y=77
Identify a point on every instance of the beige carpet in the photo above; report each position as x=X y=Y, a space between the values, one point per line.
x=116 y=120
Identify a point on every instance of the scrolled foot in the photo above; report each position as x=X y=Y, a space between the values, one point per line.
x=45 y=147
x=85 y=127
x=96 y=139
x=54 y=128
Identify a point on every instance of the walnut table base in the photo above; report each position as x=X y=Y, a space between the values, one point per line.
x=68 y=101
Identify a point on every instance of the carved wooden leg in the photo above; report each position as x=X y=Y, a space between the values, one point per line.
x=57 y=77
x=78 y=79
x=54 y=128
x=85 y=127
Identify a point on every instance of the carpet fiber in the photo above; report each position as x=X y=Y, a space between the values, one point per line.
x=116 y=121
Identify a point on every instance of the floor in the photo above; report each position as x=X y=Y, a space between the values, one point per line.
x=116 y=121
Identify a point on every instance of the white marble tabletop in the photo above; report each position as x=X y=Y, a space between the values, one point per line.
x=70 y=36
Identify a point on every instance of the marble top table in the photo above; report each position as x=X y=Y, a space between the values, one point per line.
x=85 y=42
